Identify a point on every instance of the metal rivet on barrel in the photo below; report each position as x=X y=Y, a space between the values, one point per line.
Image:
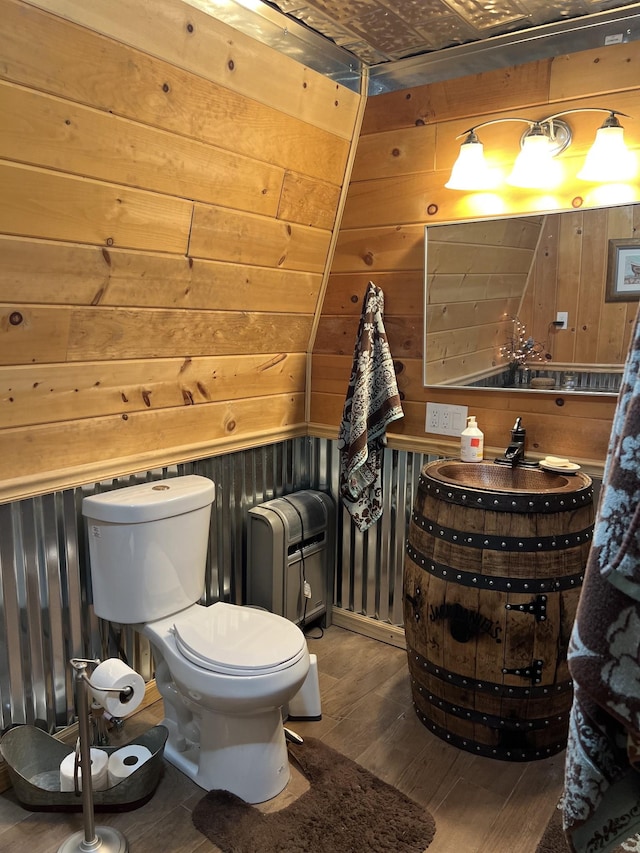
x=521 y=544
x=496 y=502
x=504 y=544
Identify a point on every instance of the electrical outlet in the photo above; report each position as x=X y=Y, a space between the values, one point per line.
x=433 y=418
x=445 y=420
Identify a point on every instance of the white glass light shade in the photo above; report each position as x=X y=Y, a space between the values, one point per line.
x=609 y=160
x=471 y=171
x=535 y=167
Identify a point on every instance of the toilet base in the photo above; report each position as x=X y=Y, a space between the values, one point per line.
x=244 y=754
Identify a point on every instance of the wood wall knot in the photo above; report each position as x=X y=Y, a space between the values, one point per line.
x=15 y=318
x=368 y=259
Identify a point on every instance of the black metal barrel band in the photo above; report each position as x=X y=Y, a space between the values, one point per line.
x=491 y=720
x=507 y=691
x=506 y=502
x=495 y=583
x=500 y=752
x=492 y=542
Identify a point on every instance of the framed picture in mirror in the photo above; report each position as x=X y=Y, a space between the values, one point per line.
x=623 y=271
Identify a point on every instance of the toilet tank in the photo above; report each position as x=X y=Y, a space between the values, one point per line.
x=148 y=547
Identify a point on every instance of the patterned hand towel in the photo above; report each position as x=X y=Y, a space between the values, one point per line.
x=372 y=402
x=601 y=801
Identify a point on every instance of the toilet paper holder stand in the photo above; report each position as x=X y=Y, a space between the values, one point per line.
x=92 y=837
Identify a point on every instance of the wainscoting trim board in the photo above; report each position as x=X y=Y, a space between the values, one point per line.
x=393 y=635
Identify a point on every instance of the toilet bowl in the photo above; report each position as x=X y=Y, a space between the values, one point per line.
x=224 y=671
x=227 y=672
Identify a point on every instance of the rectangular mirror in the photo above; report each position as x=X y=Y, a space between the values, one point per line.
x=497 y=291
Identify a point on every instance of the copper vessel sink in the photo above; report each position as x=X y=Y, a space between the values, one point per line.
x=490 y=477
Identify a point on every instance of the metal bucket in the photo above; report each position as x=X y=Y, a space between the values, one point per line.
x=33 y=760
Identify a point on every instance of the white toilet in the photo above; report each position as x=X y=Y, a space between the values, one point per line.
x=224 y=671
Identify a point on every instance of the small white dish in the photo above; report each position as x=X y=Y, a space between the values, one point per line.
x=567 y=468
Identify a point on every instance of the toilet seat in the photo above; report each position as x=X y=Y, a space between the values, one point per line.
x=234 y=640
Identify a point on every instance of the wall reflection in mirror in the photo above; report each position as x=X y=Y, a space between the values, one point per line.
x=525 y=303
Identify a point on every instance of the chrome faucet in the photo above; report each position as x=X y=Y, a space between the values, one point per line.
x=514 y=454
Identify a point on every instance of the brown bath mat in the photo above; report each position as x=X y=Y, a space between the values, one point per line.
x=345 y=809
x=553 y=840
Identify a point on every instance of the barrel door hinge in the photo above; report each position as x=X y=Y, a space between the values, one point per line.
x=416 y=603
x=533 y=672
x=537 y=608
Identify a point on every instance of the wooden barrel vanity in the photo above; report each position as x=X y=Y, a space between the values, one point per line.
x=492 y=576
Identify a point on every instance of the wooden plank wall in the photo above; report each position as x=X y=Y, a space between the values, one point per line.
x=570 y=274
x=405 y=153
x=169 y=189
x=477 y=275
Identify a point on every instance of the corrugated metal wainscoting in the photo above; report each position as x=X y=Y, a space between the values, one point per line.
x=45 y=581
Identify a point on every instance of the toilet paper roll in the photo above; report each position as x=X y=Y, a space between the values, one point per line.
x=99 y=771
x=115 y=674
x=123 y=762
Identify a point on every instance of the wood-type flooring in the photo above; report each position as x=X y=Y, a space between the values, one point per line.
x=480 y=805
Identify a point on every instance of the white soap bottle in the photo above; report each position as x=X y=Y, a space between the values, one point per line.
x=471 y=442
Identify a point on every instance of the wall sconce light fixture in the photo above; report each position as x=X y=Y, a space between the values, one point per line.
x=608 y=160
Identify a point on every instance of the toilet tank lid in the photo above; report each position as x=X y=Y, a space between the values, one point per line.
x=150 y=501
